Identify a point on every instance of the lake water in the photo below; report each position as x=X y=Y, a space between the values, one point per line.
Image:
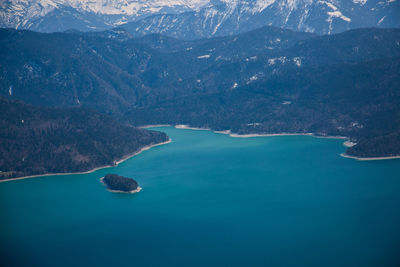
x=211 y=200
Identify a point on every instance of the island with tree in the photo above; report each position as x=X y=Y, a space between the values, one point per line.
x=120 y=184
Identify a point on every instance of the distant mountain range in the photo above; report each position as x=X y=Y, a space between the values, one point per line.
x=61 y=15
x=224 y=17
x=268 y=80
x=192 y=19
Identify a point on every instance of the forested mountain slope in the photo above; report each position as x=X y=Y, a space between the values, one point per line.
x=265 y=81
x=39 y=140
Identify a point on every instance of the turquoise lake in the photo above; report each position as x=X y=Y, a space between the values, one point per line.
x=211 y=200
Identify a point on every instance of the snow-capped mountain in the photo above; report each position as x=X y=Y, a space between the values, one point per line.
x=53 y=15
x=226 y=17
x=190 y=19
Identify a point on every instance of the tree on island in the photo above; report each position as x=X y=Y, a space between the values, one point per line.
x=120 y=183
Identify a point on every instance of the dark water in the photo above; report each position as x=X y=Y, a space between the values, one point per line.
x=212 y=200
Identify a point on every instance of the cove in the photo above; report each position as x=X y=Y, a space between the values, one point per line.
x=211 y=200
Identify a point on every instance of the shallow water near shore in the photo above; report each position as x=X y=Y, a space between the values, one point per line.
x=211 y=200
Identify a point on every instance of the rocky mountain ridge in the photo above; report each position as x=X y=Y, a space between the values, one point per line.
x=192 y=19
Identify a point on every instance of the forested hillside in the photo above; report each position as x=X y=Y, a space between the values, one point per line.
x=39 y=140
x=264 y=81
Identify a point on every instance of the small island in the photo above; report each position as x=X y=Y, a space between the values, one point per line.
x=120 y=184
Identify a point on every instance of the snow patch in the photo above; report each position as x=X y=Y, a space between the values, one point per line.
x=261 y=5
x=330 y=5
x=361 y=2
x=273 y=61
x=204 y=56
x=297 y=61
x=253 y=78
x=381 y=20
x=337 y=14
x=357 y=125
x=251 y=58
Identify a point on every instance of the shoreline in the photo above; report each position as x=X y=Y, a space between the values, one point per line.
x=154 y=126
x=267 y=135
x=137 y=190
x=347 y=143
x=140 y=151
x=92 y=170
x=235 y=135
x=187 y=127
x=344 y=155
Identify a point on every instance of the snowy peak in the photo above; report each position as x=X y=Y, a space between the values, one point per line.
x=131 y=7
x=206 y=17
x=227 y=17
x=108 y=7
x=32 y=14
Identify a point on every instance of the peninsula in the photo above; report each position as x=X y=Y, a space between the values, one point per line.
x=37 y=141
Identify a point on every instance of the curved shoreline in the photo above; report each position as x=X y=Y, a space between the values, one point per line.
x=92 y=170
x=154 y=126
x=137 y=190
x=235 y=135
x=347 y=143
x=344 y=155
